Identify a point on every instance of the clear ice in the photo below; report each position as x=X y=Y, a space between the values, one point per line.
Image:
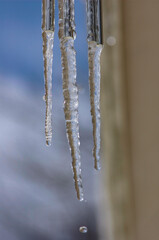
x=94 y=53
x=70 y=90
x=48 y=41
x=48 y=38
x=95 y=41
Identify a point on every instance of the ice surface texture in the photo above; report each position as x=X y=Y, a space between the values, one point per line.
x=48 y=40
x=94 y=52
x=70 y=91
x=94 y=28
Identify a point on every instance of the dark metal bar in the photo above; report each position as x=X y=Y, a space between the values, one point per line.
x=90 y=20
x=98 y=22
x=69 y=19
x=48 y=12
x=94 y=21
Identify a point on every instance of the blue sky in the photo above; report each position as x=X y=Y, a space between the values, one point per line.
x=21 y=42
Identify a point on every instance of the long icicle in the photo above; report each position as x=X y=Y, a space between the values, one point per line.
x=70 y=91
x=48 y=27
x=94 y=27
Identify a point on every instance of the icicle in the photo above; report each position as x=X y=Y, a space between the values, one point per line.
x=94 y=25
x=94 y=52
x=70 y=91
x=48 y=26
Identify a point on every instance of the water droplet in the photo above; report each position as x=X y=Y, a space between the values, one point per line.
x=111 y=41
x=83 y=229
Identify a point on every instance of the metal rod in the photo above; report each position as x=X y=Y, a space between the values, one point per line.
x=69 y=19
x=94 y=21
x=98 y=22
x=48 y=11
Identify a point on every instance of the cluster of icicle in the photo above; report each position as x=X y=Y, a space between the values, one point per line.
x=67 y=36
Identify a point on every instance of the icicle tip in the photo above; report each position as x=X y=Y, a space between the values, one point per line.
x=48 y=143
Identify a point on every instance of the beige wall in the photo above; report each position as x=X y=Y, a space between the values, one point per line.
x=130 y=116
x=141 y=19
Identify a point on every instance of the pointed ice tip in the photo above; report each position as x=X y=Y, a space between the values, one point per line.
x=44 y=98
x=97 y=166
x=96 y=159
x=48 y=143
x=80 y=195
x=81 y=199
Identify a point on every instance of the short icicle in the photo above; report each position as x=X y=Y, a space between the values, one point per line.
x=94 y=27
x=48 y=27
x=70 y=91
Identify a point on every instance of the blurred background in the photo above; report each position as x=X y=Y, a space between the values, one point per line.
x=37 y=196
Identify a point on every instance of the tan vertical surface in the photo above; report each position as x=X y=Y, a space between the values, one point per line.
x=141 y=20
x=115 y=135
x=130 y=117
